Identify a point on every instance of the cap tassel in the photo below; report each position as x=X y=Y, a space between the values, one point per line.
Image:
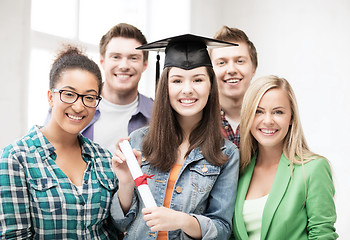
x=157 y=69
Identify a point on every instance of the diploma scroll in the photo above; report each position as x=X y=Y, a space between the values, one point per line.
x=139 y=178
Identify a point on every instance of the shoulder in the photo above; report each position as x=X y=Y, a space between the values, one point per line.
x=139 y=133
x=137 y=136
x=313 y=172
x=316 y=165
x=145 y=106
x=229 y=147
x=25 y=145
x=145 y=100
x=318 y=168
x=93 y=148
x=231 y=150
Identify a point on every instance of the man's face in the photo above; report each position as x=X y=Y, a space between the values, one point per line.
x=123 y=65
x=233 y=69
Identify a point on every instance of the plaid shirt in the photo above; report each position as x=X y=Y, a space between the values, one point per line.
x=38 y=201
x=228 y=132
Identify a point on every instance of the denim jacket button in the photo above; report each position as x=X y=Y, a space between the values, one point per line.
x=178 y=189
x=205 y=169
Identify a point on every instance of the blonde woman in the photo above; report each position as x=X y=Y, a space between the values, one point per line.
x=285 y=191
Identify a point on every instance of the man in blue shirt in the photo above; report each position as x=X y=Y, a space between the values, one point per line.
x=123 y=109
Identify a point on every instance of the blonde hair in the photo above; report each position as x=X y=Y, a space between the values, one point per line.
x=295 y=147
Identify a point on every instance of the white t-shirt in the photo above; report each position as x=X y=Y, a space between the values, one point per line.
x=252 y=215
x=113 y=123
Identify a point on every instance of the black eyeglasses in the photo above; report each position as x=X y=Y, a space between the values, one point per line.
x=68 y=96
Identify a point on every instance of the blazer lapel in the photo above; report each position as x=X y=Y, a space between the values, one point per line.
x=242 y=190
x=276 y=194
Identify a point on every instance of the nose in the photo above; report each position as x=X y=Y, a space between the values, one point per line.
x=231 y=67
x=268 y=119
x=124 y=64
x=187 y=88
x=78 y=105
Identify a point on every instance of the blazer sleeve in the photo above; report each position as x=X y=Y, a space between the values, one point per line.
x=320 y=205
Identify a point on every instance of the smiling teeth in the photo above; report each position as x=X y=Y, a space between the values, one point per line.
x=123 y=76
x=75 y=117
x=268 y=131
x=187 y=101
x=232 y=81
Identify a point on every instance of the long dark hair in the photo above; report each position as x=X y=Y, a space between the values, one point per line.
x=160 y=146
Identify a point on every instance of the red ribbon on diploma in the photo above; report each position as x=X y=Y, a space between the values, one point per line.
x=142 y=179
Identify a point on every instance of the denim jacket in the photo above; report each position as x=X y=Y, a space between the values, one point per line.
x=203 y=190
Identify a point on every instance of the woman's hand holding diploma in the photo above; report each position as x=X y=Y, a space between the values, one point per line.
x=126 y=164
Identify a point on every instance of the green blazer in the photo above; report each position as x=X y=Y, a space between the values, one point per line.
x=289 y=213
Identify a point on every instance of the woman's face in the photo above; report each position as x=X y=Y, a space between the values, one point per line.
x=272 y=119
x=189 y=91
x=73 y=117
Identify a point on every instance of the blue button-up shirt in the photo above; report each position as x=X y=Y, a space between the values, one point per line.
x=38 y=201
x=208 y=192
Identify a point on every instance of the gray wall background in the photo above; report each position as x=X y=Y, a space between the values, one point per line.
x=307 y=42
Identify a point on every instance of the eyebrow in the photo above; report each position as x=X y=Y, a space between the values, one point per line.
x=181 y=76
x=73 y=89
x=200 y=74
x=272 y=108
x=118 y=53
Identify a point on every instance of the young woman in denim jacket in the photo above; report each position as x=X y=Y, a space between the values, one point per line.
x=195 y=169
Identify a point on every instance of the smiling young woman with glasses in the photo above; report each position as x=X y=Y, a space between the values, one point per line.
x=55 y=183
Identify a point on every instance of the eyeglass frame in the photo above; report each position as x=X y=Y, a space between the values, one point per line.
x=98 y=98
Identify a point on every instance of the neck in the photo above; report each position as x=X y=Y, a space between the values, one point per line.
x=232 y=108
x=119 y=98
x=269 y=155
x=59 y=138
x=188 y=124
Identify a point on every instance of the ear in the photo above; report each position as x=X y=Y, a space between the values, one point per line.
x=254 y=73
x=50 y=98
x=145 y=64
x=101 y=60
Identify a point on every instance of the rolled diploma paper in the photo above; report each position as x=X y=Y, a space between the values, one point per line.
x=136 y=172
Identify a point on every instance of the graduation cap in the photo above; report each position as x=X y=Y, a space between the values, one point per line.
x=185 y=51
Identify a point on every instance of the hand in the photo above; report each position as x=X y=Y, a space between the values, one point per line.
x=162 y=218
x=120 y=166
x=126 y=182
x=165 y=219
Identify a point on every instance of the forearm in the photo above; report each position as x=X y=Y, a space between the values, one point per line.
x=190 y=225
x=125 y=195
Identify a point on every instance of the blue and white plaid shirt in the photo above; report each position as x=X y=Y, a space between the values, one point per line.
x=38 y=201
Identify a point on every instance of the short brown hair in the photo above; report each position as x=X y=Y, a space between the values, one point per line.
x=123 y=30
x=236 y=35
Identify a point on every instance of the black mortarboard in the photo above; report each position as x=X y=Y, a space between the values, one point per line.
x=185 y=51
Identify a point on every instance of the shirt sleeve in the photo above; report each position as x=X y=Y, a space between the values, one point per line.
x=320 y=205
x=15 y=222
x=122 y=221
